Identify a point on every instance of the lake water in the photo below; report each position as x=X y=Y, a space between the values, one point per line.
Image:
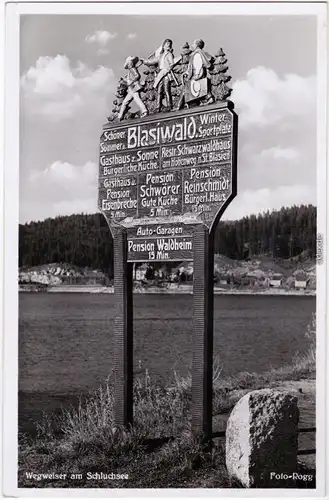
x=66 y=340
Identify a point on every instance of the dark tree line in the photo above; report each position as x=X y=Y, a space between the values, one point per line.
x=85 y=240
x=283 y=233
x=82 y=240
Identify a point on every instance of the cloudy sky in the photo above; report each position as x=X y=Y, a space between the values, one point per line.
x=69 y=66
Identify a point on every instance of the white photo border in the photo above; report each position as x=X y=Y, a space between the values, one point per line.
x=9 y=212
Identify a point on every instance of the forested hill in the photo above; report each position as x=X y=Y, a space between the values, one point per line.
x=85 y=240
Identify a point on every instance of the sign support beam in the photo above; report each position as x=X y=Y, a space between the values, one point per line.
x=123 y=327
x=203 y=292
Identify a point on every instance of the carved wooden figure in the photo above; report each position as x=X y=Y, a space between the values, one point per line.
x=163 y=57
x=194 y=78
x=197 y=85
x=134 y=87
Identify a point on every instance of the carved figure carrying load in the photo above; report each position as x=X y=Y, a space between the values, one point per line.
x=134 y=86
x=195 y=79
x=163 y=57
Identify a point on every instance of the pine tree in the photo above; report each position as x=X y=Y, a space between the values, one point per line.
x=120 y=94
x=219 y=78
x=179 y=70
x=149 y=93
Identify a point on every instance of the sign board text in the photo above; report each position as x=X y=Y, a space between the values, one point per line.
x=160 y=242
x=168 y=168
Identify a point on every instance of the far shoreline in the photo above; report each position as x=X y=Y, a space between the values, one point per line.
x=176 y=291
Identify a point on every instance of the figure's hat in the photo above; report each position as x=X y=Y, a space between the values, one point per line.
x=133 y=59
x=198 y=43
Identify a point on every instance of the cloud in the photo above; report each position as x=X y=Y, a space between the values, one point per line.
x=55 y=89
x=100 y=37
x=59 y=172
x=279 y=153
x=257 y=201
x=263 y=98
x=277 y=138
x=49 y=76
x=102 y=52
x=60 y=189
x=131 y=36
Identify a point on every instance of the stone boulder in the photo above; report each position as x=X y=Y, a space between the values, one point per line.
x=262 y=440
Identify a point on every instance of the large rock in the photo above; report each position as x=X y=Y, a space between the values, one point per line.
x=262 y=439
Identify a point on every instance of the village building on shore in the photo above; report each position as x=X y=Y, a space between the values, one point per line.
x=301 y=281
x=276 y=281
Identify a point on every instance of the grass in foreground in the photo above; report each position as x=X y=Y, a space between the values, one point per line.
x=84 y=440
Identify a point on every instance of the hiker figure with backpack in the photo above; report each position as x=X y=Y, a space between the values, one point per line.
x=134 y=86
x=196 y=84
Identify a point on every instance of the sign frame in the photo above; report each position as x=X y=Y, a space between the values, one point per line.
x=203 y=237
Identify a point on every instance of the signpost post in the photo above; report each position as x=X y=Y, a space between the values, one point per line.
x=123 y=330
x=164 y=182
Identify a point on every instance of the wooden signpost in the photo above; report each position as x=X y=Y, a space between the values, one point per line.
x=164 y=182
